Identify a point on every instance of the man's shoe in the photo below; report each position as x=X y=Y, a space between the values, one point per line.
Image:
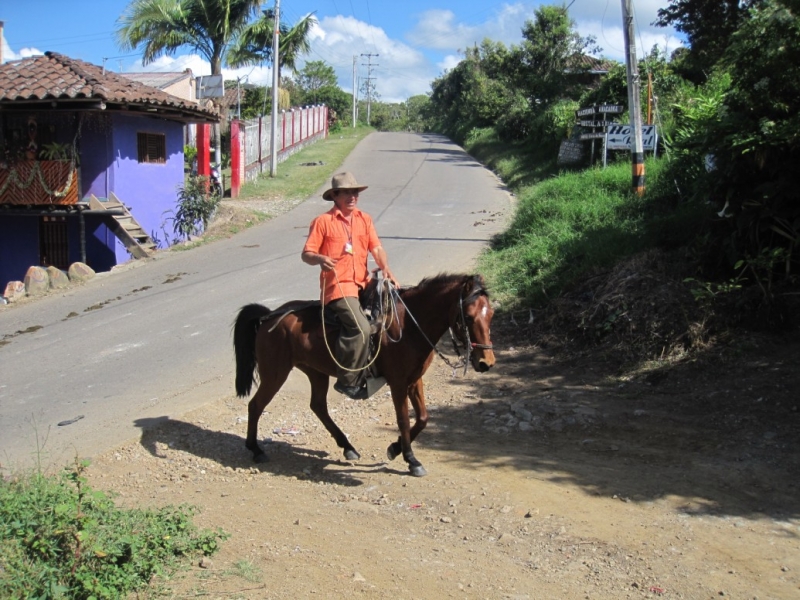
x=351 y=391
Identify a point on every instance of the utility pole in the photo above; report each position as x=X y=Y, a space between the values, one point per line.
x=369 y=66
x=637 y=150
x=276 y=79
x=355 y=93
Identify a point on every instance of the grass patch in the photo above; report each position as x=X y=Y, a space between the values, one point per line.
x=61 y=539
x=520 y=164
x=245 y=569
x=296 y=178
x=577 y=223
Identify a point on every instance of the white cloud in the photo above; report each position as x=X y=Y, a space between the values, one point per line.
x=400 y=71
x=449 y=62
x=9 y=54
x=438 y=29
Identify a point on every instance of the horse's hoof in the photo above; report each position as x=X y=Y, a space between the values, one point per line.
x=417 y=470
x=260 y=458
x=393 y=451
x=351 y=454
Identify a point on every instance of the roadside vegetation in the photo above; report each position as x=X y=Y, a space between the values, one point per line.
x=719 y=224
x=304 y=172
x=61 y=539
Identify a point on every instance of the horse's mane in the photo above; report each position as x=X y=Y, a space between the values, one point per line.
x=445 y=279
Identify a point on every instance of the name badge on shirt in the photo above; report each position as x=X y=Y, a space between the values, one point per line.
x=348 y=248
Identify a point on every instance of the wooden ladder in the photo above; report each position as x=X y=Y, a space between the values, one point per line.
x=125 y=227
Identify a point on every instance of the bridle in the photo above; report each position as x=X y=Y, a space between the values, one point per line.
x=468 y=344
x=461 y=326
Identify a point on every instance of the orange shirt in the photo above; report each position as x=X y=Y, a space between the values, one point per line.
x=330 y=235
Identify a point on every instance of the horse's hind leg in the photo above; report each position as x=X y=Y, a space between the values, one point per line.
x=319 y=406
x=271 y=382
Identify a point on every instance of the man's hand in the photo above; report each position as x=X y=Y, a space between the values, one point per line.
x=326 y=263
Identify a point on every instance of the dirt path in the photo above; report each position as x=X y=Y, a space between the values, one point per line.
x=547 y=479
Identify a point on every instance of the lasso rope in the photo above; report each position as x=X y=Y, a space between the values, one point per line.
x=387 y=288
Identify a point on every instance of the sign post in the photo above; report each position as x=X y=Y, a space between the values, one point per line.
x=592 y=113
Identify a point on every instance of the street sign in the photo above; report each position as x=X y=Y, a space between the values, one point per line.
x=595 y=123
x=592 y=136
x=600 y=108
x=619 y=137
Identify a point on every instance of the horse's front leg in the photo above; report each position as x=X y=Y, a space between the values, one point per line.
x=319 y=406
x=403 y=444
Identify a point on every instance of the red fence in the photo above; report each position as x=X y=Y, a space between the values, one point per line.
x=250 y=141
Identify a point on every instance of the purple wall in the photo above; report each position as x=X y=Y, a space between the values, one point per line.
x=19 y=248
x=149 y=190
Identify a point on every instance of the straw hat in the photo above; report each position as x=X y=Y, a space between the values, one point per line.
x=343 y=181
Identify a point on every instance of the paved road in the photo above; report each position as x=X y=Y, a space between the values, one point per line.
x=153 y=338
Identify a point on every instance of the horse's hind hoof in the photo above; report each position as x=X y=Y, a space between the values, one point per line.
x=351 y=454
x=260 y=458
x=417 y=470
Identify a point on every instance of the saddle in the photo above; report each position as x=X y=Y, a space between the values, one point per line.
x=375 y=307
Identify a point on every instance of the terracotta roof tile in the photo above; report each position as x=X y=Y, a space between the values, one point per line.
x=58 y=77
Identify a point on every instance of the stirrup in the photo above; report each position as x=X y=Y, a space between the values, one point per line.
x=374 y=384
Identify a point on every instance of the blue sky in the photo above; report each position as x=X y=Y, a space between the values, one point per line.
x=415 y=40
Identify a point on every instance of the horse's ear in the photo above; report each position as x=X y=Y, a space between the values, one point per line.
x=467 y=286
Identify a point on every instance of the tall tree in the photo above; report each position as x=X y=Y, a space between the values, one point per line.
x=315 y=75
x=708 y=25
x=161 y=27
x=254 y=45
x=549 y=56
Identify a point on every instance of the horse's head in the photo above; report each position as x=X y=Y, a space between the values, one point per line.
x=472 y=323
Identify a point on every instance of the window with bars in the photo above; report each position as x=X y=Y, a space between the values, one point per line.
x=152 y=148
x=54 y=242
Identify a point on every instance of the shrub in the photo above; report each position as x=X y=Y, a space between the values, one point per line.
x=61 y=539
x=196 y=206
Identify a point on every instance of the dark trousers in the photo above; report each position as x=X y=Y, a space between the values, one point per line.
x=352 y=349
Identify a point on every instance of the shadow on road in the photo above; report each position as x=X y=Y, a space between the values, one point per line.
x=720 y=437
x=227 y=450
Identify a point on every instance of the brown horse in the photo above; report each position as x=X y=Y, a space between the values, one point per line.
x=422 y=315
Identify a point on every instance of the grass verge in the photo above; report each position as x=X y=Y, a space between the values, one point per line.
x=303 y=173
x=575 y=223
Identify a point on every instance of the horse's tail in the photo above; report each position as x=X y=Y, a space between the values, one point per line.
x=245 y=330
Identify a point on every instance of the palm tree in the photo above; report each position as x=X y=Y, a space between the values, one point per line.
x=254 y=45
x=219 y=30
x=161 y=27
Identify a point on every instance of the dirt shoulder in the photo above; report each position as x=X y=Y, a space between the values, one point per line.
x=566 y=477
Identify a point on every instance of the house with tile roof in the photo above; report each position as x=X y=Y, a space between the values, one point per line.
x=83 y=149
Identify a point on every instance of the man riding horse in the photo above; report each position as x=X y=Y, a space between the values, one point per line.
x=339 y=241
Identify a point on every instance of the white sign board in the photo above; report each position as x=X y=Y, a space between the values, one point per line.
x=619 y=137
x=210 y=86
